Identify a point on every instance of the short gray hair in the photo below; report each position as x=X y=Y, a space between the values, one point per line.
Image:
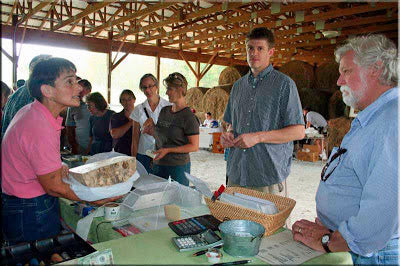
x=369 y=50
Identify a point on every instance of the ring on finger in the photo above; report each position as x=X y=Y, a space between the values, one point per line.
x=299 y=231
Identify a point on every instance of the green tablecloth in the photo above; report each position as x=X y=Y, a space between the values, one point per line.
x=156 y=247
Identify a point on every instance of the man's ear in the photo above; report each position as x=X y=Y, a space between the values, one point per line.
x=271 y=51
x=376 y=69
x=47 y=90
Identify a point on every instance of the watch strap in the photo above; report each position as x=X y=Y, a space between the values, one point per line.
x=325 y=244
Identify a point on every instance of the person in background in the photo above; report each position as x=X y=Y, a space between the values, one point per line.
x=317 y=121
x=358 y=196
x=31 y=168
x=121 y=123
x=77 y=122
x=100 y=139
x=209 y=120
x=5 y=93
x=144 y=114
x=176 y=133
x=19 y=98
x=20 y=83
x=265 y=113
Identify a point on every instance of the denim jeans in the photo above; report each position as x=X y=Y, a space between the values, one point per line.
x=177 y=173
x=29 y=219
x=146 y=162
x=389 y=255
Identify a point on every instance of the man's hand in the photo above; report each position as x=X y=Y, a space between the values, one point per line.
x=246 y=140
x=310 y=233
x=227 y=139
x=161 y=153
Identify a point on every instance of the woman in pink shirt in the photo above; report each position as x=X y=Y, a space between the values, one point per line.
x=32 y=171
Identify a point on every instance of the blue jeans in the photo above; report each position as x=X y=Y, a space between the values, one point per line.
x=29 y=219
x=146 y=162
x=177 y=173
x=389 y=255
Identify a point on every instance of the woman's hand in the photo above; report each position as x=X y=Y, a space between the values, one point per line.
x=104 y=201
x=161 y=153
x=148 y=127
x=309 y=233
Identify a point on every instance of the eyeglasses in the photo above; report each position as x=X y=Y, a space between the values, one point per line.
x=339 y=154
x=147 y=87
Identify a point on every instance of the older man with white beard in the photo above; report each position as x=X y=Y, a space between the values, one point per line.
x=357 y=199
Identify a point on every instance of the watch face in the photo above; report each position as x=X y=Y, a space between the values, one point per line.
x=325 y=239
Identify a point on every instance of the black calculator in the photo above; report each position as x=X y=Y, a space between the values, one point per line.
x=204 y=240
x=194 y=225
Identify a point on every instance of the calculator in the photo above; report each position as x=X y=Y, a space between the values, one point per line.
x=204 y=240
x=194 y=225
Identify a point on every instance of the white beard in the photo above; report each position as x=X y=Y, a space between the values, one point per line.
x=349 y=99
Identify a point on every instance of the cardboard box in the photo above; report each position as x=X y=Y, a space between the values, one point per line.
x=307 y=156
x=312 y=148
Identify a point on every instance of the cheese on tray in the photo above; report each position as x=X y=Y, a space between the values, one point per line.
x=105 y=172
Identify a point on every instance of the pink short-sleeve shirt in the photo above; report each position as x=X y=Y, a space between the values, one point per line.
x=30 y=147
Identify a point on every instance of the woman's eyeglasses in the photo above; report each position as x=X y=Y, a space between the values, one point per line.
x=147 y=87
x=339 y=153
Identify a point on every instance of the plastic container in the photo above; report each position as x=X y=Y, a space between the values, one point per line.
x=242 y=238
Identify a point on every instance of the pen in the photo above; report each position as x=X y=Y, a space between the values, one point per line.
x=202 y=252
x=233 y=263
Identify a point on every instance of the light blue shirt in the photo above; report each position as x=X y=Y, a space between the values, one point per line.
x=360 y=198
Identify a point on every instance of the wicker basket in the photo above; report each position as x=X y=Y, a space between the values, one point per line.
x=272 y=222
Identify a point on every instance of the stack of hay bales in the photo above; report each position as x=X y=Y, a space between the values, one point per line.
x=215 y=101
x=226 y=87
x=243 y=69
x=315 y=100
x=336 y=105
x=228 y=76
x=301 y=72
x=337 y=128
x=326 y=76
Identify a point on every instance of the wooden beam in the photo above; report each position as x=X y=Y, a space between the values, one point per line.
x=36 y=9
x=11 y=12
x=119 y=61
x=136 y=14
x=47 y=15
x=100 y=45
x=6 y=54
x=189 y=65
x=91 y=8
x=109 y=66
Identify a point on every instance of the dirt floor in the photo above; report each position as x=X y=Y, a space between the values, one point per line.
x=302 y=182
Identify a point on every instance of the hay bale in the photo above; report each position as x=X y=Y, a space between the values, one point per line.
x=301 y=72
x=315 y=100
x=336 y=105
x=326 y=76
x=243 y=69
x=337 y=128
x=194 y=98
x=215 y=101
x=228 y=76
x=200 y=116
x=226 y=87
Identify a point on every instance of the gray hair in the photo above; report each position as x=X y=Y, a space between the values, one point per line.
x=371 y=49
x=145 y=76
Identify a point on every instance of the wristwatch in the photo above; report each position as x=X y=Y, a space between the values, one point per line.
x=325 y=242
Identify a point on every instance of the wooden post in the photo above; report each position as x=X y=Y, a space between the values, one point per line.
x=198 y=77
x=158 y=62
x=14 y=54
x=109 y=67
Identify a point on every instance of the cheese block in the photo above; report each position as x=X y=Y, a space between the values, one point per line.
x=172 y=212
x=105 y=172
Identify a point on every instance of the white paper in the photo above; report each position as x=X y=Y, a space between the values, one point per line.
x=281 y=249
x=83 y=226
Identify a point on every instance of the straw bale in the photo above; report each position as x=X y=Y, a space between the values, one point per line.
x=326 y=76
x=226 y=87
x=336 y=105
x=243 y=69
x=228 y=76
x=215 y=101
x=200 y=116
x=301 y=72
x=194 y=98
x=315 y=100
x=337 y=128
